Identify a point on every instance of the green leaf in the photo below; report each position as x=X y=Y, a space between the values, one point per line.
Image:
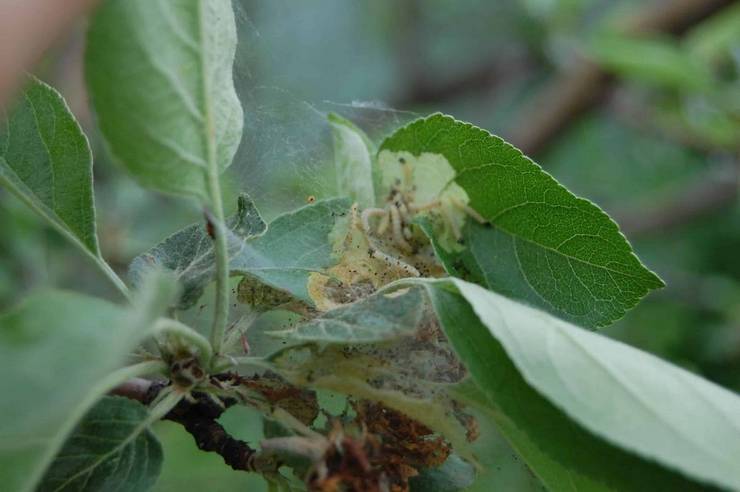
x=160 y=77
x=295 y=245
x=501 y=467
x=48 y=164
x=353 y=161
x=111 y=448
x=543 y=245
x=281 y=255
x=380 y=317
x=552 y=387
x=189 y=252
x=45 y=160
x=661 y=61
x=58 y=350
x=562 y=455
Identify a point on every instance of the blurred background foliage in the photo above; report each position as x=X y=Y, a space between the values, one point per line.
x=632 y=104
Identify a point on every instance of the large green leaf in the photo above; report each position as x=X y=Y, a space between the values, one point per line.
x=562 y=455
x=111 y=448
x=160 y=76
x=57 y=351
x=543 y=244
x=353 y=154
x=189 y=252
x=552 y=387
x=46 y=162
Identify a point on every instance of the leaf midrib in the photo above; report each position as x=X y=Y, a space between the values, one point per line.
x=461 y=172
x=91 y=467
x=636 y=396
x=42 y=139
x=208 y=128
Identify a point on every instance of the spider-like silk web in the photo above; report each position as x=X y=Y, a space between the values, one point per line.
x=286 y=151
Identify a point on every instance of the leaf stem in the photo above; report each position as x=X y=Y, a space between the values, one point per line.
x=113 y=277
x=54 y=221
x=174 y=327
x=170 y=397
x=123 y=374
x=145 y=368
x=221 y=308
x=223 y=363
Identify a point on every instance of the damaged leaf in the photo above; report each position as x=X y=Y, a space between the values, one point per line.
x=353 y=159
x=409 y=374
x=378 y=318
x=542 y=244
x=360 y=268
x=295 y=245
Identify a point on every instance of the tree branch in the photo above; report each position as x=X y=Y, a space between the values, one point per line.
x=198 y=413
x=580 y=88
x=199 y=417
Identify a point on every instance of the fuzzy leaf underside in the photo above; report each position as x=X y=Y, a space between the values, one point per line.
x=111 y=448
x=46 y=161
x=377 y=318
x=189 y=252
x=160 y=77
x=58 y=349
x=385 y=348
x=543 y=244
x=295 y=245
x=557 y=390
x=282 y=254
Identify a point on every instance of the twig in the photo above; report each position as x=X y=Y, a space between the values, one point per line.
x=199 y=411
x=581 y=87
x=198 y=417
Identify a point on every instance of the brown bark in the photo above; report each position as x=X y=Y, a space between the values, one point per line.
x=199 y=417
